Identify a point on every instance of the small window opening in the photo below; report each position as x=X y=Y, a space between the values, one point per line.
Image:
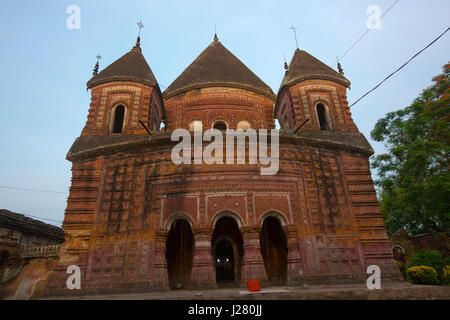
x=244 y=125
x=119 y=114
x=220 y=125
x=322 y=114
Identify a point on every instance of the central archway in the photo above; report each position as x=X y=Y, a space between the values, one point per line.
x=179 y=254
x=224 y=260
x=274 y=250
x=227 y=250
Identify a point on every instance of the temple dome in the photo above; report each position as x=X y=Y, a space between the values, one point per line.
x=304 y=66
x=132 y=66
x=217 y=66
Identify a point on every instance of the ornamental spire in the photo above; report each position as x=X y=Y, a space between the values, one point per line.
x=138 y=41
x=95 y=71
x=216 y=39
x=295 y=35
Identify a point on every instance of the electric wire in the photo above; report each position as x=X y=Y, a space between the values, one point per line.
x=364 y=34
x=390 y=75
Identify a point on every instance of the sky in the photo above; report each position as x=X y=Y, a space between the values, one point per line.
x=45 y=65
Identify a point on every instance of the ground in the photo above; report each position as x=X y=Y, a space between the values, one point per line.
x=391 y=291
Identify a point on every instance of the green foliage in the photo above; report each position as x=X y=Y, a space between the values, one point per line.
x=446 y=275
x=430 y=258
x=422 y=275
x=414 y=175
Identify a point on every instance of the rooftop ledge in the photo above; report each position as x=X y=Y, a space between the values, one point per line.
x=89 y=146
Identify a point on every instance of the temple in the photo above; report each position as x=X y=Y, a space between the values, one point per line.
x=135 y=221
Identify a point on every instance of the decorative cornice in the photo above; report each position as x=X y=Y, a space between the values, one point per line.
x=218 y=84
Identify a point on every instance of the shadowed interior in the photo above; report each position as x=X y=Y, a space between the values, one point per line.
x=274 y=251
x=227 y=244
x=179 y=254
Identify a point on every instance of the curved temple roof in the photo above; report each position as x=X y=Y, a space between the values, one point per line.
x=304 y=66
x=217 y=66
x=132 y=66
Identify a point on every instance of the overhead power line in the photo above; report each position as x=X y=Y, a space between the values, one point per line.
x=364 y=34
x=340 y=114
x=32 y=190
x=389 y=76
x=41 y=218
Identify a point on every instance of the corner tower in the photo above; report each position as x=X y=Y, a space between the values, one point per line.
x=312 y=107
x=105 y=205
x=312 y=91
x=123 y=94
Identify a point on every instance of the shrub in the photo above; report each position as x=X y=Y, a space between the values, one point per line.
x=446 y=275
x=422 y=275
x=430 y=258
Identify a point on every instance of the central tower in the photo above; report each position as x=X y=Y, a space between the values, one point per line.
x=219 y=91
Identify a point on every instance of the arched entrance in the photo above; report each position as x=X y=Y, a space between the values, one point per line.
x=224 y=260
x=179 y=254
x=274 y=250
x=227 y=250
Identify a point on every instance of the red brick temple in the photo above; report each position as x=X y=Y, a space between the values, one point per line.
x=135 y=221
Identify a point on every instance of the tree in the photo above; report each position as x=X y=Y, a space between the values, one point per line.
x=414 y=179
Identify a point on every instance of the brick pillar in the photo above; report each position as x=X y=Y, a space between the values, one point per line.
x=203 y=275
x=252 y=265
x=160 y=276
x=294 y=260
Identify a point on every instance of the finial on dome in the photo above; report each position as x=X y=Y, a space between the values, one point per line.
x=138 y=40
x=95 y=71
x=295 y=35
x=341 y=71
x=216 y=39
x=285 y=63
x=138 y=43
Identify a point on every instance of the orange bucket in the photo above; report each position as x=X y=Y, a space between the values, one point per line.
x=253 y=285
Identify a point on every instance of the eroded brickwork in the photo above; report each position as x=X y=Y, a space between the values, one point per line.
x=298 y=103
x=127 y=194
x=325 y=200
x=141 y=103
x=219 y=103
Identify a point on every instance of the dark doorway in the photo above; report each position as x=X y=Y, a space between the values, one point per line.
x=179 y=254
x=274 y=251
x=119 y=114
x=224 y=260
x=227 y=250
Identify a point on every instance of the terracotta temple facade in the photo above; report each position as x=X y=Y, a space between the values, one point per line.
x=135 y=221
